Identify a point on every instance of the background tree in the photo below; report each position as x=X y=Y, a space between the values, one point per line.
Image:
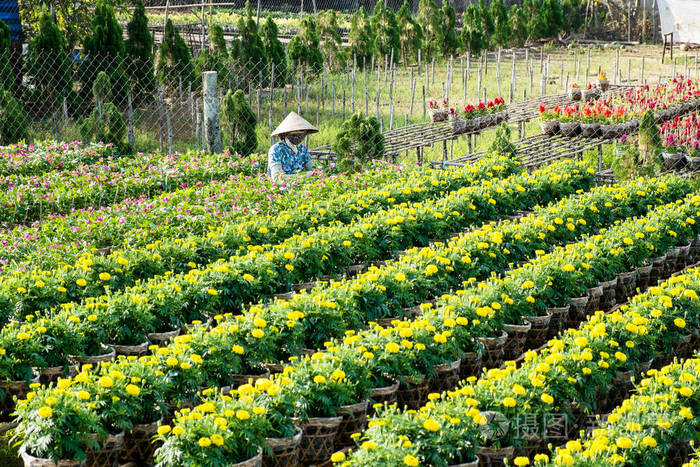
x=330 y=39
x=217 y=40
x=571 y=16
x=48 y=62
x=502 y=32
x=486 y=19
x=448 y=35
x=430 y=22
x=304 y=47
x=105 y=122
x=139 y=52
x=518 y=26
x=174 y=60
x=360 y=37
x=238 y=123
x=472 y=37
x=104 y=51
x=7 y=77
x=248 y=50
x=410 y=33
x=386 y=32
x=359 y=141
x=275 y=51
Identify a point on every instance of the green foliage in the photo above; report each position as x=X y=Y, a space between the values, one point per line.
x=571 y=15
x=331 y=42
x=430 y=23
x=216 y=36
x=386 y=31
x=472 y=37
x=13 y=120
x=102 y=87
x=360 y=37
x=502 y=144
x=275 y=51
x=360 y=140
x=248 y=50
x=109 y=127
x=486 y=19
x=304 y=47
x=501 y=26
x=518 y=25
x=104 y=51
x=448 y=36
x=175 y=60
x=48 y=63
x=6 y=74
x=238 y=123
x=139 y=53
x=212 y=61
x=410 y=33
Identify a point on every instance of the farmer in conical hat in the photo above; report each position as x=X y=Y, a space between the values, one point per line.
x=289 y=156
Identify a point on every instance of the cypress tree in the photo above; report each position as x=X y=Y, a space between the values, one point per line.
x=448 y=36
x=518 y=25
x=360 y=37
x=139 y=51
x=331 y=42
x=104 y=50
x=48 y=62
x=105 y=123
x=472 y=37
x=218 y=43
x=248 y=50
x=304 y=47
x=501 y=27
x=410 y=33
x=359 y=141
x=275 y=51
x=6 y=74
x=386 y=31
x=430 y=22
x=238 y=122
x=175 y=60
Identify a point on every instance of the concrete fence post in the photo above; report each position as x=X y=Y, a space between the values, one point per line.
x=212 y=128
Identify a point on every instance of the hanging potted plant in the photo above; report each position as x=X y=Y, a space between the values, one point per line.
x=602 y=81
x=569 y=124
x=574 y=92
x=438 y=112
x=549 y=120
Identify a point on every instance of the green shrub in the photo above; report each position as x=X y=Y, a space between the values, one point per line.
x=216 y=36
x=501 y=142
x=139 y=53
x=238 y=123
x=248 y=51
x=448 y=35
x=13 y=120
x=472 y=38
x=175 y=60
x=331 y=42
x=105 y=122
x=430 y=22
x=360 y=140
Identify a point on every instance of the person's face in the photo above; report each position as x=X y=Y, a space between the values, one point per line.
x=296 y=138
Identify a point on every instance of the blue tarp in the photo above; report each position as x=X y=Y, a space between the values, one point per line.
x=9 y=13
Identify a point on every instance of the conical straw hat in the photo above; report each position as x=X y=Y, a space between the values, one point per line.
x=294 y=122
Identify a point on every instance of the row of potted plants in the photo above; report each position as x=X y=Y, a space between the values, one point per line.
x=620 y=114
x=680 y=139
x=427 y=338
x=33 y=289
x=41 y=156
x=177 y=214
x=25 y=198
x=568 y=376
x=654 y=425
x=471 y=117
x=443 y=335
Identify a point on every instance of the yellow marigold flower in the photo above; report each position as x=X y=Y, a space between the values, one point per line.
x=649 y=442
x=521 y=461
x=178 y=430
x=81 y=282
x=204 y=442
x=528 y=285
x=105 y=276
x=679 y=322
x=162 y=430
x=369 y=445
x=338 y=456
x=45 y=412
x=237 y=349
x=133 y=390
x=392 y=347
x=624 y=442
x=431 y=425
x=431 y=269
x=685 y=412
x=319 y=379
x=217 y=439
x=410 y=461
x=106 y=382
x=568 y=268
x=508 y=402
x=257 y=333
x=546 y=398
x=242 y=414
x=400 y=276
x=248 y=277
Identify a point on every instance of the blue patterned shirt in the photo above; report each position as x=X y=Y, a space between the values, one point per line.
x=283 y=154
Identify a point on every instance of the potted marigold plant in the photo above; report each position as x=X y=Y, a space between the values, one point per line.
x=55 y=427
x=602 y=81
